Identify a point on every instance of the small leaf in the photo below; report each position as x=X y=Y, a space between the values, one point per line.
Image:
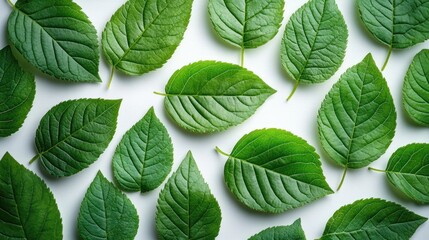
x=211 y=96
x=73 y=134
x=27 y=207
x=106 y=213
x=272 y=170
x=372 y=219
x=56 y=37
x=415 y=91
x=144 y=156
x=17 y=90
x=292 y=232
x=314 y=42
x=186 y=208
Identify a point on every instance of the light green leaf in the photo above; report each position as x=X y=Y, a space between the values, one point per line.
x=292 y=232
x=186 y=208
x=211 y=96
x=372 y=219
x=73 y=134
x=357 y=119
x=56 y=37
x=144 y=156
x=415 y=92
x=106 y=213
x=17 y=90
x=314 y=42
x=27 y=207
x=272 y=170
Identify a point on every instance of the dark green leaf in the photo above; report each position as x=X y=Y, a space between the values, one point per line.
x=292 y=232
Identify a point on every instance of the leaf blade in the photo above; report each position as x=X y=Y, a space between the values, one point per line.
x=292 y=232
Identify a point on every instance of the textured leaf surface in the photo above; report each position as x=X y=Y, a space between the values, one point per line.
x=372 y=219
x=144 y=156
x=292 y=232
x=357 y=119
x=27 y=207
x=246 y=23
x=106 y=213
x=415 y=91
x=314 y=42
x=272 y=170
x=143 y=34
x=212 y=96
x=73 y=134
x=17 y=90
x=56 y=37
x=186 y=208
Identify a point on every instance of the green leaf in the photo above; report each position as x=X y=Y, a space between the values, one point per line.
x=27 y=207
x=17 y=90
x=292 y=232
x=144 y=156
x=186 y=208
x=143 y=34
x=56 y=37
x=106 y=213
x=272 y=170
x=73 y=134
x=357 y=119
x=314 y=42
x=415 y=91
x=211 y=96
x=372 y=219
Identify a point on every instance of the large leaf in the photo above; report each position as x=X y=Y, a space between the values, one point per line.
x=106 y=213
x=292 y=232
x=212 y=96
x=56 y=37
x=314 y=42
x=144 y=156
x=73 y=134
x=357 y=119
x=17 y=90
x=272 y=170
x=372 y=219
x=415 y=91
x=27 y=207
x=186 y=208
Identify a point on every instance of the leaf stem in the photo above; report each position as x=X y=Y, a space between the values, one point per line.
x=293 y=91
x=112 y=72
x=11 y=4
x=342 y=179
x=222 y=152
x=387 y=58
x=161 y=94
x=34 y=159
x=376 y=170
x=242 y=57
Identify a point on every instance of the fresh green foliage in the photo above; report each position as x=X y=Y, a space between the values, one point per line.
x=415 y=91
x=211 y=96
x=144 y=156
x=357 y=119
x=398 y=24
x=314 y=42
x=73 y=134
x=56 y=37
x=186 y=208
x=106 y=213
x=27 y=207
x=17 y=90
x=292 y=232
x=272 y=170
x=372 y=219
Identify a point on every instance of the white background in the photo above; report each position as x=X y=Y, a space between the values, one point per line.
x=297 y=116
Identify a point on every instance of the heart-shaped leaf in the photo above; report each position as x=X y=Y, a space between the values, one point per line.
x=292 y=232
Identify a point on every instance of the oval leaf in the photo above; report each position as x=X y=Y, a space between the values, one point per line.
x=372 y=219
x=73 y=134
x=272 y=170
x=186 y=208
x=17 y=90
x=314 y=42
x=106 y=213
x=212 y=96
x=144 y=156
x=292 y=232
x=143 y=34
x=27 y=207
x=56 y=37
